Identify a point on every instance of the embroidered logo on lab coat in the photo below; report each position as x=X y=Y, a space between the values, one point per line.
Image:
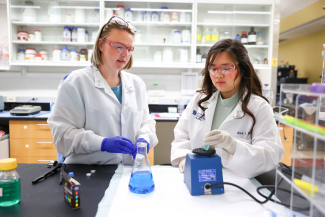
x=198 y=115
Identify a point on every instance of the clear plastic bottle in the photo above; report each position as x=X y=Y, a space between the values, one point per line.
x=74 y=34
x=128 y=15
x=96 y=16
x=198 y=36
x=9 y=182
x=259 y=38
x=154 y=16
x=65 y=56
x=141 y=180
x=215 y=36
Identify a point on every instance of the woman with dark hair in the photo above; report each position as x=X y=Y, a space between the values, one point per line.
x=230 y=114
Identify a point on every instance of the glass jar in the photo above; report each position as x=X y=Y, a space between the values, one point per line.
x=83 y=54
x=65 y=56
x=21 y=55
x=9 y=182
x=66 y=33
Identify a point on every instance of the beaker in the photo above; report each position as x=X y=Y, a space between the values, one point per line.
x=141 y=181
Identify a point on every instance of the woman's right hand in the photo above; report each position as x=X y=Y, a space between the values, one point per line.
x=118 y=144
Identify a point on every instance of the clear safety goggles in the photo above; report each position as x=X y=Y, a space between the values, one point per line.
x=224 y=70
x=119 y=46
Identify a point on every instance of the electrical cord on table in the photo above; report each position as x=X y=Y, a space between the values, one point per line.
x=268 y=198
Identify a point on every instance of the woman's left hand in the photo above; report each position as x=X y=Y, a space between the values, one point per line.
x=220 y=139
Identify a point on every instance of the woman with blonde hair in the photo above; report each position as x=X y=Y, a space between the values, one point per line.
x=230 y=114
x=101 y=112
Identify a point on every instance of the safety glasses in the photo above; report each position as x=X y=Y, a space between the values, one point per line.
x=119 y=46
x=120 y=22
x=224 y=70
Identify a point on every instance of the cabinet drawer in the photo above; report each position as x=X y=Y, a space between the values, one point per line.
x=33 y=160
x=29 y=130
x=32 y=147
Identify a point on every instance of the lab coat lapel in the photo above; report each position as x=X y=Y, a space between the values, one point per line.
x=127 y=88
x=209 y=112
x=100 y=82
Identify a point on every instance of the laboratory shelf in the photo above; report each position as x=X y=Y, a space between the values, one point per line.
x=256 y=66
x=319 y=203
x=240 y=12
x=4 y=68
x=142 y=23
x=162 y=44
x=246 y=46
x=234 y=24
x=53 y=42
x=20 y=23
x=317 y=135
x=50 y=63
x=162 y=65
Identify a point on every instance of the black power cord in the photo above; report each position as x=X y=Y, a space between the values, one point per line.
x=268 y=198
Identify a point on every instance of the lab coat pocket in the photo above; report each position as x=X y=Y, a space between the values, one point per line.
x=137 y=121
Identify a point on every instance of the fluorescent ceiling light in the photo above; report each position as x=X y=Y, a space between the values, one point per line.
x=167 y=10
x=238 y=12
x=25 y=6
x=75 y=7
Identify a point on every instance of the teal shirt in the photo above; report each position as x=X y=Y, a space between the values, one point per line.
x=223 y=109
x=118 y=92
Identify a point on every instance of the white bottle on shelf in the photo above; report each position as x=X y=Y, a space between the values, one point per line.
x=161 y=17
x=120 y=12
x=186 y=36
x=177 y=37
x=167 y=55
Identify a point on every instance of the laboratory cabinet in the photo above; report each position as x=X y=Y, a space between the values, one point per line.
x=169 y=34
x=306 y=178
x=31 y=141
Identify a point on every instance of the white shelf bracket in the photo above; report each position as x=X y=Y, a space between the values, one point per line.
x=23 y=71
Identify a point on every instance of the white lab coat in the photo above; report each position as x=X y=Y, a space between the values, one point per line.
x=87 y=110
x=252 y=156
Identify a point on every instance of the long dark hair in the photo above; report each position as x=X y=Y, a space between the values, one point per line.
x=249 y=84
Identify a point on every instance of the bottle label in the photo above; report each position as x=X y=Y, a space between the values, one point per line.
x=215 y=38
x=198 y=37
x=244 y=40
x=252 y=38
x=208 y=37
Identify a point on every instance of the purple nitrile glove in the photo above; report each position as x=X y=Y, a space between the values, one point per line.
x=145 y=141
x=118 y=144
